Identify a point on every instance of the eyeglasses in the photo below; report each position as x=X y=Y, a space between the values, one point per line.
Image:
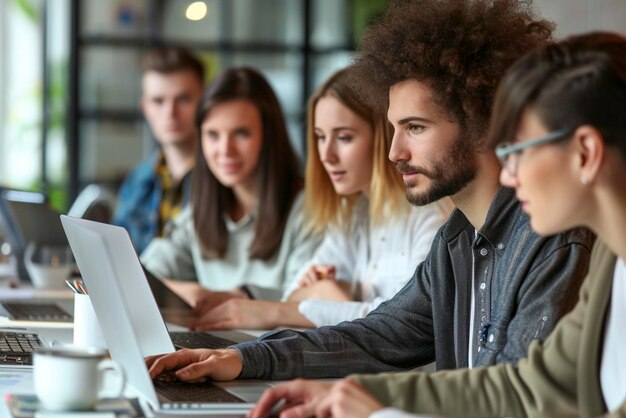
x=509 y=154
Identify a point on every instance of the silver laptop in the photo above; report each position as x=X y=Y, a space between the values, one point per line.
x=17 y=347
x=133 y=327
x=16 y=312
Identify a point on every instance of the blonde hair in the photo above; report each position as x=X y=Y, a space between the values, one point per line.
x=323 y=207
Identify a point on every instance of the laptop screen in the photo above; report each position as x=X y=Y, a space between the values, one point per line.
x=25 y=217
x=163 y=295
x=128 y=315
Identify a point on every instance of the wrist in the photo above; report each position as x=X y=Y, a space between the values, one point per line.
x=290 y=316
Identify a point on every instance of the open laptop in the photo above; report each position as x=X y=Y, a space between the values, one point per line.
x=17 y=347
x=132 y=325
x=40 y=313
x=25 y=218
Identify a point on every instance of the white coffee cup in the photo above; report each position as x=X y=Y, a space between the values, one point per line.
x=71 y=378
x=87 y=331
x=48 y=266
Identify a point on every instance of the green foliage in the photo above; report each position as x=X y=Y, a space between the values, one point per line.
x=29 y=9
x=363 y=14
x=57 y=194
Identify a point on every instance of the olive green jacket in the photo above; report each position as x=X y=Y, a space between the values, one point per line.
x=560 y=377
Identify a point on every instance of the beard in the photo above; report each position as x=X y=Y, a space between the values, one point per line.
x=448 y=176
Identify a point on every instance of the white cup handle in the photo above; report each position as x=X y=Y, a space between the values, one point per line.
x=28 y=254
x=112 y=365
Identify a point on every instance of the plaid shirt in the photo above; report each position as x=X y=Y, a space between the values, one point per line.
x=172 y=194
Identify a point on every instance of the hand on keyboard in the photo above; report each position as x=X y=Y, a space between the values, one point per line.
x=168 y=376
x=192 y=365
x=171 y=378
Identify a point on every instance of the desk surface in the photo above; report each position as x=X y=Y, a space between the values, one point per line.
x=20 y=381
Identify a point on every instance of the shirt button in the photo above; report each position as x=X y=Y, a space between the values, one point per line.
x=500 y=246
x=483 y=252
x=491 y=338
x=482 y=286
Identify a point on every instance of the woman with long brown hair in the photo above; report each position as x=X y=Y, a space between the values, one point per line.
x=242 y=235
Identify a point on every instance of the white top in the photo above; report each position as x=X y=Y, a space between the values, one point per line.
x=613 y=367
x=470 y=347
x=396 y=413
x=177 y=256
x=378 y=263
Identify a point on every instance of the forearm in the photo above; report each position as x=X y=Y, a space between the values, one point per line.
x=395 y=337
x=287 y=354
x=193 y=292
x=324 y=289
x=330 y=352
x=535 y=387
x=288 y=315
x=298 y=295
x=475 y=393
x=190 y=291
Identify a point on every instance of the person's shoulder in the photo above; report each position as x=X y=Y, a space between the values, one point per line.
x=182 y=222
x=579 y=238
x=144 y=170
x=296 y=205
x=579 y=235
x=185 y=216
x=602 y=257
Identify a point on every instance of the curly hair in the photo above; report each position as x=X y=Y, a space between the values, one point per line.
x=459 y=48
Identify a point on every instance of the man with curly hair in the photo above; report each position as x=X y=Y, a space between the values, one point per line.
x=489 y=285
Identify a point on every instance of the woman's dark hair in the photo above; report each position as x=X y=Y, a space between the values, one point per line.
x=277 y=172
x=578 y=81
x=460 y=49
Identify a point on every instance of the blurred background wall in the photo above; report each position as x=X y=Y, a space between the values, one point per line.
x=70 y=78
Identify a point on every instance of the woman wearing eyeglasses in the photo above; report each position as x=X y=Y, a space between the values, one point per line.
x=560 y=117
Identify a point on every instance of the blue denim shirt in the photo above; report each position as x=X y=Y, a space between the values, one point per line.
x=139 y=200
x=524 y=284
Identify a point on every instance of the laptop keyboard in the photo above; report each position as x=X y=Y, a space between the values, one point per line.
x=36 y=312
x=191 y=393
x=198 y=340
x=16 y=348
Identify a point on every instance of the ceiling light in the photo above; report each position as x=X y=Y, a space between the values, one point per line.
x=196 y=10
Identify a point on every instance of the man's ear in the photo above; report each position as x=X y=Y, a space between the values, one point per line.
x=590 y=147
